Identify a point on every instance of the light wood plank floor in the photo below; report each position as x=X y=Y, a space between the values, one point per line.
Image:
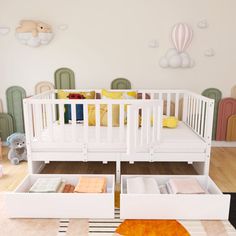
x=222 y=169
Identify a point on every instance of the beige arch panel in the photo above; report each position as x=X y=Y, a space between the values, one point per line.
x=231 y=129
x=43 y=87
x=233 y=92
x=1 y=106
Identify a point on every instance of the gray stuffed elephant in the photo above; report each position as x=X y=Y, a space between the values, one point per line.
x=17 y=150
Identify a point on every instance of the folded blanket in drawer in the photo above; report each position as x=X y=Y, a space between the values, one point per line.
x=185 y=186
x=140 y=185
x=46 y=185
x=91 y=185
x=68 y=188
x=61 y=187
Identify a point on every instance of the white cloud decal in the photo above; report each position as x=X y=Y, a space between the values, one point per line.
x=40 y=39
x=174 y=59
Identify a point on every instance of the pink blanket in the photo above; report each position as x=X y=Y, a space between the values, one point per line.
x=185 y=186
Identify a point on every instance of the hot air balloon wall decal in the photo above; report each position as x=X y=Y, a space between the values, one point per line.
x=177 y=57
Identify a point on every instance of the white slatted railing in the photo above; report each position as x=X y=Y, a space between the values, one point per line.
x=198 y=113
x=46 y=116
x=144 y=126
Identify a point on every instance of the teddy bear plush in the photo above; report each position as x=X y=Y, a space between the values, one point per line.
x=34 y=27
x=17 y=150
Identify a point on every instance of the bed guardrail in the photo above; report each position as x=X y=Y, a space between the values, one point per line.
x=46 y=117
x=45 y=112
x=198 y=115
x=144 y=127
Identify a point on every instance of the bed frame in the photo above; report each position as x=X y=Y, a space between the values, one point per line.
x=142 y=129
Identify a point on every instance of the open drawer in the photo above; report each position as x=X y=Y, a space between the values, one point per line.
x=22 y=204
x=212 y=206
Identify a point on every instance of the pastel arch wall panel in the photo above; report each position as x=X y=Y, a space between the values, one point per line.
x=6 y=126
x=215 y=94
x=227 y=108
x=233 y=92
x=231 y=129
x=15 y=96
x=120 y=83
x=1 y=106
x=43 y=87
x=64 y=78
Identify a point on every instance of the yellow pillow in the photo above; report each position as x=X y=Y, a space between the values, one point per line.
x=88 y=95
x=111 y=95
x=61 y=94
x=167 y=121
x=103 y=115
x=64 y=94
x=105 y=94
x=170 y=122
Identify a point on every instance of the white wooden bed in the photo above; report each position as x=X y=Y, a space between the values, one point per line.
x=140 y=138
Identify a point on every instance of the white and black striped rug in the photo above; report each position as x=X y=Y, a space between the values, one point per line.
x=104 y=227
x=63 y=226
x=97 y=227
x=107 y=227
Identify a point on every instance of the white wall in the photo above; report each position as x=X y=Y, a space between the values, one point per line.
x=109 y=38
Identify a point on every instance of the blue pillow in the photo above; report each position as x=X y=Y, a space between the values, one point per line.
x=79 y=112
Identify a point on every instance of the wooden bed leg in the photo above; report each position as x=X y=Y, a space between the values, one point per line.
x=118 y=172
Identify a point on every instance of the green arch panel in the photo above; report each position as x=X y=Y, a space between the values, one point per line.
x=15 y=96
x=120 y=83
x=64 y=78
x=6 y=126
x=215 y=94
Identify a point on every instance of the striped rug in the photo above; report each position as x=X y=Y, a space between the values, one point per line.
x=104 y=227
x=63 y=226
x=107 y=227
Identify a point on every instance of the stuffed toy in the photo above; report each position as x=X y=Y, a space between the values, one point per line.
x=34 y=27
x=17 y=150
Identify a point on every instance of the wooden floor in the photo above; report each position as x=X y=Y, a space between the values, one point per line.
x=222 y=169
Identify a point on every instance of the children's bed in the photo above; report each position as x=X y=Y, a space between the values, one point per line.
x=137 y=136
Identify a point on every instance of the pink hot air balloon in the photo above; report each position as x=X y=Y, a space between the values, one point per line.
x=181 y=36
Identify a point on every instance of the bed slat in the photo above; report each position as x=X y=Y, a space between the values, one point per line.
x=62 y=122
x=97 y=112
x=73 y=125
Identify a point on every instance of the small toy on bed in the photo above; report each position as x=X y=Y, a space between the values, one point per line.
x=17 y=150
x=170 y=122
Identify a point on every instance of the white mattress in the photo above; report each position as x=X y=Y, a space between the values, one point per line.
x=181 y=139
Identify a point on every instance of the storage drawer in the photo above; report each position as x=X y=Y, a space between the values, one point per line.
x=22 y=204
x=212 y=206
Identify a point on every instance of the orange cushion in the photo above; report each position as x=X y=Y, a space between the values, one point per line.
x=151 y=228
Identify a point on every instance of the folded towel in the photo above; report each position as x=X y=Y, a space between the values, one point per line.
x=185 y=186
x=91 y=185
x=68 y=188
x=61 y=187
x=142 y=185
x=46 y=185
x=72 y=188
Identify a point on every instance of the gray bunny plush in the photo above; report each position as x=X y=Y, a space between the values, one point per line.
x=17 y=150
